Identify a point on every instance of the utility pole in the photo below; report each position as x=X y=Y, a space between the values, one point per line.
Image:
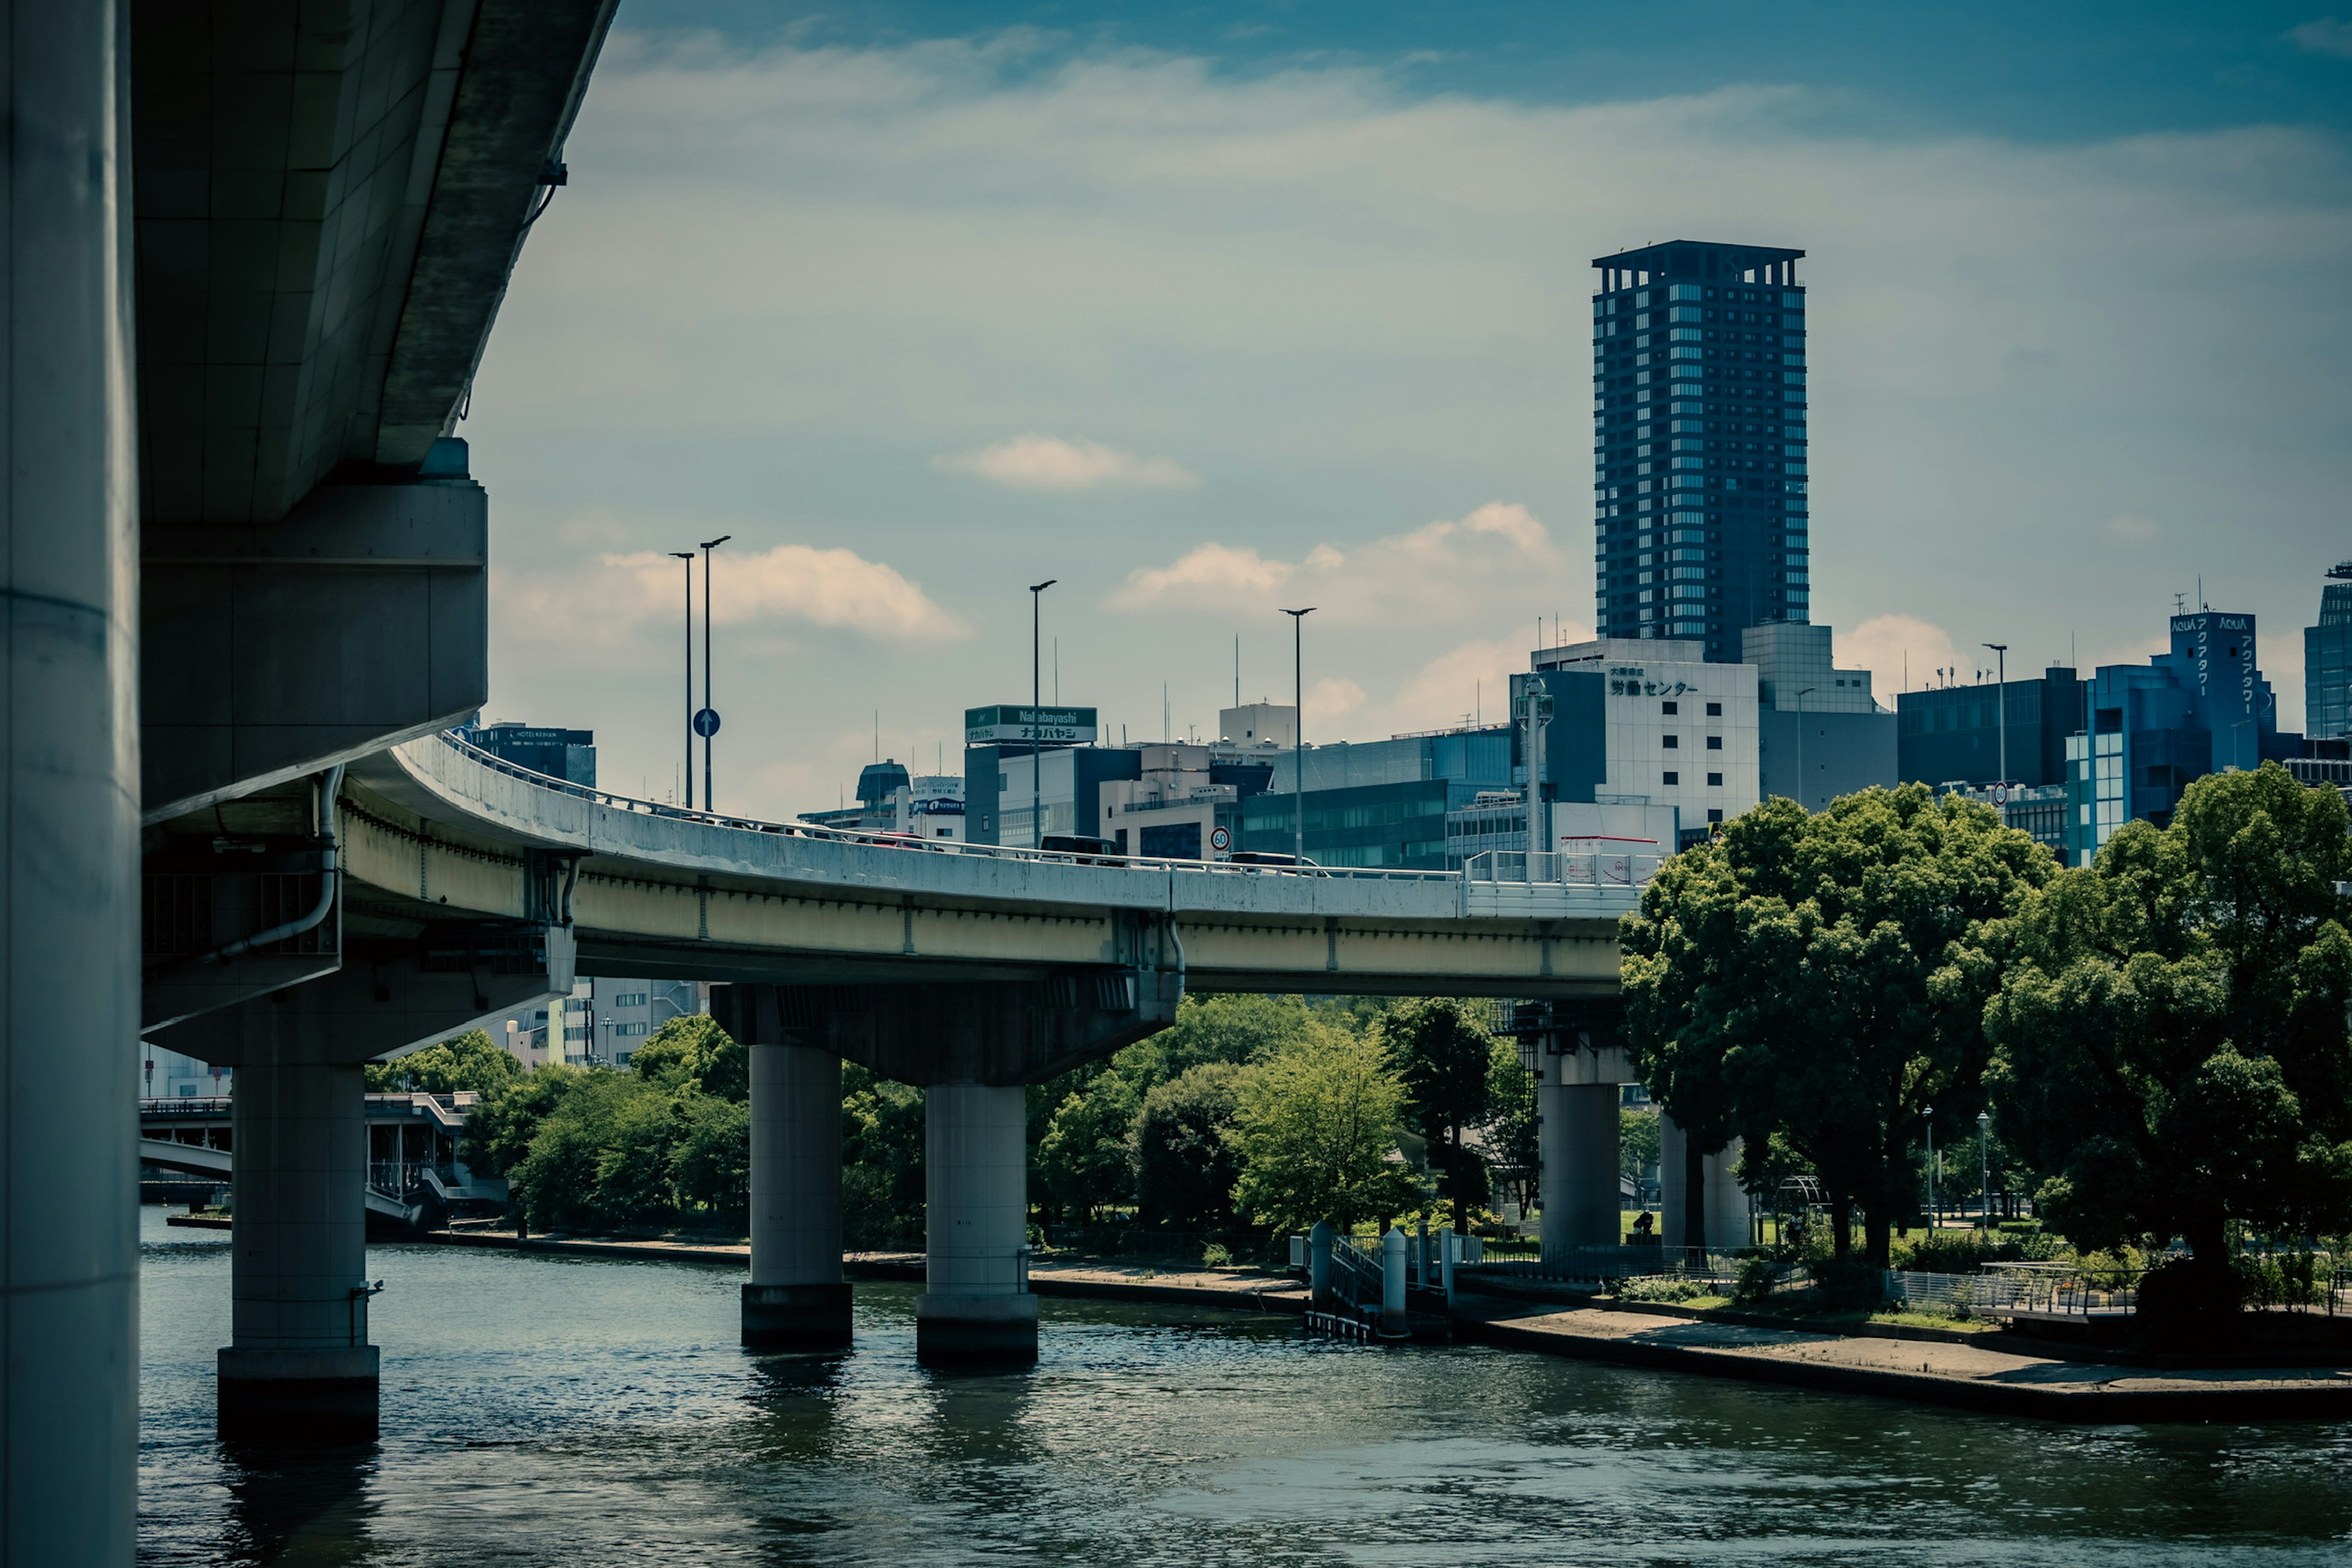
x=1036 y=781
x=687 y=556
x=1298 y=728
x=706 y=721
x=1984 y=1166
x=2000 y=706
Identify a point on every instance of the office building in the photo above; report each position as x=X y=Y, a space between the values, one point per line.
x=2327 y=660
x=1645 y=740
x=2153 y=729
x=1699 y=443
x=1951 y=735
x=1821 y=732
x=566 y=754
x=891 y=800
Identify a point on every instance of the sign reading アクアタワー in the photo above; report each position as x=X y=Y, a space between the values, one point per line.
x=1029 y=726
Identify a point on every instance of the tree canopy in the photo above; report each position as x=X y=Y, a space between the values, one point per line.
x=1444 y=1054
x=2172 y=1048
x=1823 y=977
x=1317 y=1130
x=470 y=1061
x=694 y=1049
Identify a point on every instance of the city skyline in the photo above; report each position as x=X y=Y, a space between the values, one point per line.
x=922 y=318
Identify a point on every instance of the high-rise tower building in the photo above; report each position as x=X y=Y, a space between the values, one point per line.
x=1699 y=441
x=2327 y=660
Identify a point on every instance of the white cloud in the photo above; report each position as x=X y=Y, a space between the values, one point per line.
x=2134 y=529
x=1471 y=681
x=2327 y=36
x=1497 y=554
x=1896 y=649
x=1331 y=698
x=1050 y=463
x=832 y=588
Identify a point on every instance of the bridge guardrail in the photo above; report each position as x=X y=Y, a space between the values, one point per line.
x=1587 y=868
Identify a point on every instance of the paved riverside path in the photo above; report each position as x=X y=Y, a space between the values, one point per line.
x=1242 y=1289
x=1971 y=1376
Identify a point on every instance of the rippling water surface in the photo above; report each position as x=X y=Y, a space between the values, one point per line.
x=550 y=1411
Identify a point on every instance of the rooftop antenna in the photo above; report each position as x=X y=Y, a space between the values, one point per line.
x=1237 y=669
x=2200 y=591
x=1166 y=730
x=1057 y=672
x=2181 y=604
x=877 y=735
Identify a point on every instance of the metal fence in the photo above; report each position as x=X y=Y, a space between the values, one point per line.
x=1587 y=868
x=1605 y=1265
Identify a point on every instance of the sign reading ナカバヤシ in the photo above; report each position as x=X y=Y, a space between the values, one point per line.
x=1026 y=725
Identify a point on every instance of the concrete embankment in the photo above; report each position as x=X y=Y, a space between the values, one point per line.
x=1889 y=1360
x=1971 y=1376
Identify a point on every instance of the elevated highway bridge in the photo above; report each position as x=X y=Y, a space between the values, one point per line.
x=242 y=591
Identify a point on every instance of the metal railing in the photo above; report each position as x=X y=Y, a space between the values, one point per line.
x=1357 y=1273
x=1590 y=868
x=1607 y=1265
x=886 y=838
x=185 y=1105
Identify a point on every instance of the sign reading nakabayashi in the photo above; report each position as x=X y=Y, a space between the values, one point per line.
x=1024 y=725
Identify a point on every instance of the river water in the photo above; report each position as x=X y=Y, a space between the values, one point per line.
x=572 y=1412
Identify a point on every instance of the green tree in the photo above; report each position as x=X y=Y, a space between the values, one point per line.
x=1515 y=1136
x=1638 y=1143
x=1444 y=1051
x=1179 y=1143
x=693 y=1049
x=1081 y=1163
x=499 y=1131
x=882 y=1165
x=1317 y=1127
x=1823 y=976
x=712 y=1158
x=470 y=1061
x=2172 y=1045
x=1219 y=1028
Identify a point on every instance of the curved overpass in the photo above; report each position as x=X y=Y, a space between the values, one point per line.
x=434 y=831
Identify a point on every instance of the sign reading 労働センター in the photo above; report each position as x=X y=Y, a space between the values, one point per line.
x=1026 y=725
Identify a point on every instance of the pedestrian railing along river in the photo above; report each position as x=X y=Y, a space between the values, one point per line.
x=1609 y=1265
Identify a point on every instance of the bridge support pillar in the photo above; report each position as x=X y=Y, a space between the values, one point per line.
x=299 y=1368
x=1725 y=1202
x=977 y=1307
x=1579 y=1166
x=796 y=1298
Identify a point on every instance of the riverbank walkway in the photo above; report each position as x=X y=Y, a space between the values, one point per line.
x=1971 y=1376
x=1921 y=1366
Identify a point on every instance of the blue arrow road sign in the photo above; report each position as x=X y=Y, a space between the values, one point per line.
x=706 y=722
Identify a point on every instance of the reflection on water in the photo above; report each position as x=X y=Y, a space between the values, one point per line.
x=556 y=1411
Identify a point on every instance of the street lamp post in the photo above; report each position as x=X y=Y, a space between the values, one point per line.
x=710 y=714
x=1036 y=696
x=1931 y=1170
x=687 y=556
x=1984 y=1168
x=1298 y=730
x=2000 y=724
x=1808 y=691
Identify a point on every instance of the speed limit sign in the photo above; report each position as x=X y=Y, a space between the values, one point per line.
x=1219 y=838
x=2001 y=794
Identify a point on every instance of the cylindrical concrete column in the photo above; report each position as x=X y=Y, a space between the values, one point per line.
x=796 y=1298
x=976 y=1306
x=1320 y=1242
x=1579 y=1167
x=299 y=1366
x=69 y=797
x=1726 y=1201
x=1393 y=1279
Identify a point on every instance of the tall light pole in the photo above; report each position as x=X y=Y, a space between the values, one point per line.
x=687 y=556
x=1036 y=696
x=1298 y=728
x=705 y=724
x=2001 y=723
x=1808 y=691
x=1984 y=1166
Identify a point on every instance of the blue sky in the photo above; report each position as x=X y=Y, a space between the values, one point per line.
x=1203 y=309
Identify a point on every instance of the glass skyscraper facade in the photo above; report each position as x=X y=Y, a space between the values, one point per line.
x=2327 y=660
x=1699 y=497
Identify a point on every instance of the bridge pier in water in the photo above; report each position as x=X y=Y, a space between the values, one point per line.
x=976 y=1306
x=796 y=1298
x=299 y=1366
